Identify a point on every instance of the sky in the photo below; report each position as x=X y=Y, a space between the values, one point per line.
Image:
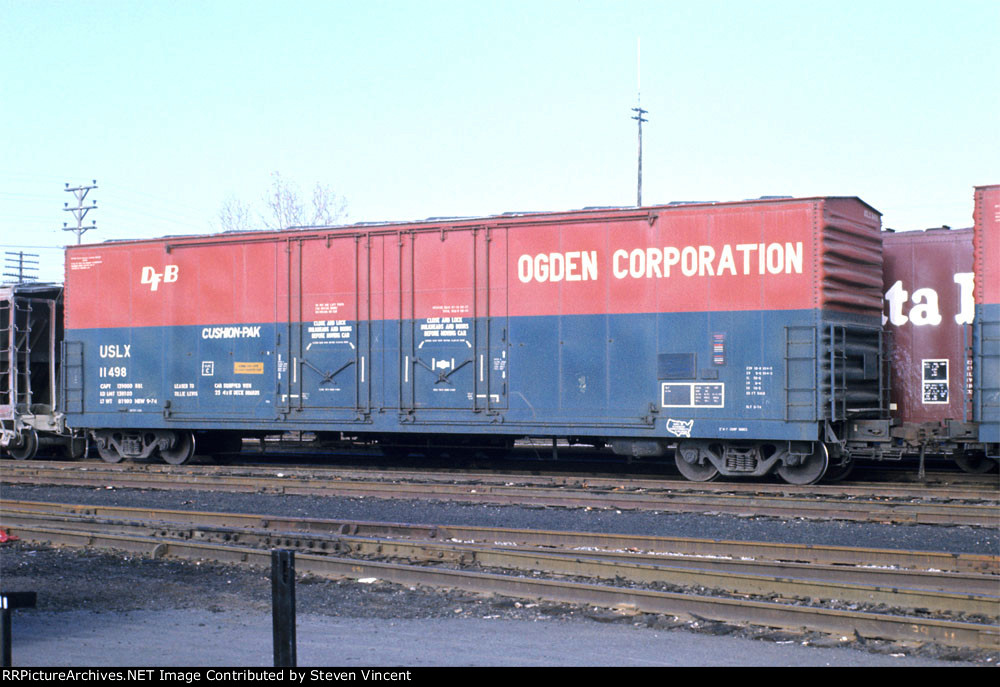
x=411 y=109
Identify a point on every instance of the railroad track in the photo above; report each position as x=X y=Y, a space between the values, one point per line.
x=948 y=599
x=896 y=503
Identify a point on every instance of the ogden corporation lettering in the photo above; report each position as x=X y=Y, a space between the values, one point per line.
x=665 y=262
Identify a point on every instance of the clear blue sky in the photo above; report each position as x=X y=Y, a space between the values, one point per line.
x=412 y=109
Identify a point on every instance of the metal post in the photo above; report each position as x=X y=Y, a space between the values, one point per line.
x=5 y=621
x=283 y=607
x=8 y=602
x=639 y=118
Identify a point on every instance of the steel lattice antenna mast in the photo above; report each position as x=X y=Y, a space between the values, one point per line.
x=639 y=112
x=80 y=211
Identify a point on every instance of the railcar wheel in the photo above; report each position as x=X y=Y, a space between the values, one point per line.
x=182 y=452
x=810 y=470
x=974 y=463
x=109 y=454
x=27 y=447
x=695 y=472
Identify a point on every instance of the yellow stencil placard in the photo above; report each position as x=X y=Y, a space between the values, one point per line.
x=248 y=368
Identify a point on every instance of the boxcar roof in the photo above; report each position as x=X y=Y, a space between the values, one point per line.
x=506 y=216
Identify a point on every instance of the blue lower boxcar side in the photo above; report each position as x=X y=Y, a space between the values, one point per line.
x=727 y=375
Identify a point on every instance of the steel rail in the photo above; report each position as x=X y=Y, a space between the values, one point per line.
x=736 y=611
x=964 y=594
x=840 y=557
x=869 y=510
x=974 y=492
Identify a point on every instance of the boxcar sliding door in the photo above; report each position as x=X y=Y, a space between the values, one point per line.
x=329 y=325
x=453 y=303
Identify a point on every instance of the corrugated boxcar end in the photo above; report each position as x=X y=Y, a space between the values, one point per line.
x=852 y=258
x=986 y=327
x=854 y=382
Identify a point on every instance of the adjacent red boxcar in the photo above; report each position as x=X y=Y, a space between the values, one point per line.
x=929 y=283
x=940 y=295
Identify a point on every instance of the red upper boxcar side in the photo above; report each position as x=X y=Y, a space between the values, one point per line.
x=774 y=255
x=145 y=284
x=815 y=253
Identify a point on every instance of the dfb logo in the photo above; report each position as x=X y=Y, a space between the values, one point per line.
x=153 y=278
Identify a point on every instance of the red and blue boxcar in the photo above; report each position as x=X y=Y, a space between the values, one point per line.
x=747 y=334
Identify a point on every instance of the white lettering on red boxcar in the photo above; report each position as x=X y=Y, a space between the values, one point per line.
x=707 y=261
x=925 y=306
x=153 y=278
x=571 y=266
